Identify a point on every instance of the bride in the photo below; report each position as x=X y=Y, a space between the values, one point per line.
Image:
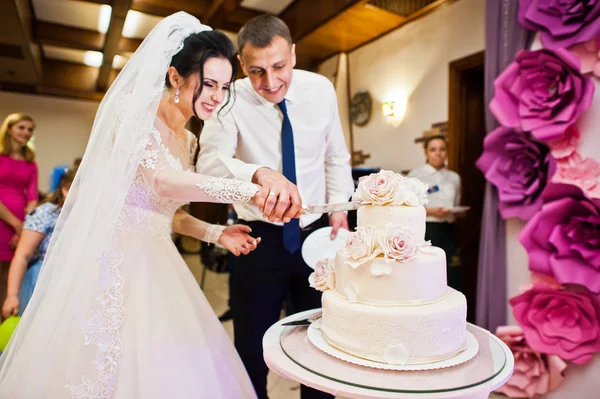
x=116 y=312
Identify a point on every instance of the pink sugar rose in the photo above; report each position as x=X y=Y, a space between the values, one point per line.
x=361 y=246
x=323 y=278
x=589 y=55
x=378 y=188
x=558 y=322
x=400 y=244
x=534 y=373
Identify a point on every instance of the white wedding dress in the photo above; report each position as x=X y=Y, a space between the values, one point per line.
x=144 y=328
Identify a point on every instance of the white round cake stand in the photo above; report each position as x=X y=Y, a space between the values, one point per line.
x=458 y=382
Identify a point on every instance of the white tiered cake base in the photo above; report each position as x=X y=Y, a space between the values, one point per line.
x=419 y=334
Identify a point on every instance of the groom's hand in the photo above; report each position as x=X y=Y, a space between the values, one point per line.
x=278 y=199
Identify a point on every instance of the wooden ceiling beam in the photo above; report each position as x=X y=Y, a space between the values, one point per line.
x=26 y=18
x=65 y=36
x=127 y=44
x=220 y=13
x=113 y=37
x=164 y=8
x=305 y=16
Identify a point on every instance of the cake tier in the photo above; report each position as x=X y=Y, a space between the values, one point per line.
x=396 y=335
x=381 y=216
x=417 y=281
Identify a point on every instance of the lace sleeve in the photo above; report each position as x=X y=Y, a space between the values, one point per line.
x=186 y=224
x=171 y=182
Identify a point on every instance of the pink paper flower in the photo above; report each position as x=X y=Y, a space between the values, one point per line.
x=581 y=172
x=400 y=244
x=561 y=23
x=566 y=144
x=589 y=56
x=541 y=92
x=519 y=167
x=534 y=373
x=323 y=278
x=563 y=238
x=361 y=246
x=557 y=322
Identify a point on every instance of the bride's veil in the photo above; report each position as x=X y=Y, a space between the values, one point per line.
x=84 y=250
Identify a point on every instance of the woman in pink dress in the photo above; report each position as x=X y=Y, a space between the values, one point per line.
x=18 y=186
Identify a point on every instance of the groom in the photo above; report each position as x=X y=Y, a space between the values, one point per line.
x=284 y=133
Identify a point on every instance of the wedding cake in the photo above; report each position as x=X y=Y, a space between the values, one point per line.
x=385 y=295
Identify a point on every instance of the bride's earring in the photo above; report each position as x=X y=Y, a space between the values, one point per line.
x=176 y=98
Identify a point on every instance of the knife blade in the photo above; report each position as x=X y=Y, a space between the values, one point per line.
x=329 y=208
x=304 y=322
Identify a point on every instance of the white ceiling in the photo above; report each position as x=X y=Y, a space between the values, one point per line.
x=138 y=25
x=91 y=58
x=79 y=14
x=269 y=6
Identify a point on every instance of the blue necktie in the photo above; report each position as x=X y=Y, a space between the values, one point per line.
x=291 y=230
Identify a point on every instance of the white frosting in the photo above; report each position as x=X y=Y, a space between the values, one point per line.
x=381 y=216
x=412 y=334
x=417 y=281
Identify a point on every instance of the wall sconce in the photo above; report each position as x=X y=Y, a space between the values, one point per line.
x=393 y=112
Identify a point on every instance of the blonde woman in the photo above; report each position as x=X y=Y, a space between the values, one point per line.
x=18 y=186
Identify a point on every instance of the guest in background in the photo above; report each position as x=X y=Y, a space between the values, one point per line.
x=18 y=186
x=33 y=244
x=444 y=196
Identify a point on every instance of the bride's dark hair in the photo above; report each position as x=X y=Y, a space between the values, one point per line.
x=197 y=49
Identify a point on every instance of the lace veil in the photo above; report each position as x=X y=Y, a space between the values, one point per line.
x=83 y=244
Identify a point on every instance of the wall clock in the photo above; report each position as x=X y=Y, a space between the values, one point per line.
x=361 y=106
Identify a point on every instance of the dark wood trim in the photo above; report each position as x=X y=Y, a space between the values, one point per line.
x=128 y=44
x=111 y=44
x=349 y=89
x=220 y=14
x=164 y=8
x=455 y=70
x=423 y=12
x=24 y=10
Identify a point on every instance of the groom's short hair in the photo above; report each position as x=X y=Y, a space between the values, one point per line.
x=260 y=31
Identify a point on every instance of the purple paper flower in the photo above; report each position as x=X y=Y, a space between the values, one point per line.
x=563 y=238
x=519 y=167
x=562 y=23
x=541 y=92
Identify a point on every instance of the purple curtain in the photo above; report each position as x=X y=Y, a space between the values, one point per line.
x=504 y=38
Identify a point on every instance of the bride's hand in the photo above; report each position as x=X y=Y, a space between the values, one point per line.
x=237 y=240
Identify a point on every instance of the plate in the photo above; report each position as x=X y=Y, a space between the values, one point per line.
x=319 y=245
x=315 y=336
x=460 y=209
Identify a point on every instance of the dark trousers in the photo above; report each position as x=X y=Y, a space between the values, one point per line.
x=443 y=235
x=262 y=281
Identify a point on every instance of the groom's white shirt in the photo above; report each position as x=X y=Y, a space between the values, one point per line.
x=237 y=143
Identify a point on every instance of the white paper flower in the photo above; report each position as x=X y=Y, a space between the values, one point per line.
x=323 y=278
x=361 y=246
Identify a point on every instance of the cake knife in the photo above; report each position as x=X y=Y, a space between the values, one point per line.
x=329 y=208
x=304 y=322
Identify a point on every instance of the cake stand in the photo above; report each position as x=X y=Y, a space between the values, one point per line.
x=289 y=353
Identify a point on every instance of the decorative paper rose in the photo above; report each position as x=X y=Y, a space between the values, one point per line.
x=563 y=238
x=400 y=244
x=519 y=167
x=412 y=192
x=563 y=22
x=589 y=56
x=541 y=92
x=378 y=188
x=572 y=168
x=566 y=324
x=534 y=373
x=323 y=278
x=361 y=246
x=581 y=172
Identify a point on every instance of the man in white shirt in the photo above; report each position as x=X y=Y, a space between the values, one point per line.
x=284 y=133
